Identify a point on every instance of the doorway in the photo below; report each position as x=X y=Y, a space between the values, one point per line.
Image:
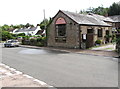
x=89 y=41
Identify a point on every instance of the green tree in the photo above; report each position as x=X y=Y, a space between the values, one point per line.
x=100 y=10
x=114 y=9
x=5 y=35
x=5 y=27
x=45 y=23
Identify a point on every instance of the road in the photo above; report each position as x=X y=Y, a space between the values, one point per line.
x=62 y=69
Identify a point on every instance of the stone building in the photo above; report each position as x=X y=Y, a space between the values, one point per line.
x=116 y=19
x=73 y=30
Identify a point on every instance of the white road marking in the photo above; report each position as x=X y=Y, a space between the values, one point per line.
x=12 y=69
x=41 y=82
x=18 y=72
x=8 y=74
x=27 y=76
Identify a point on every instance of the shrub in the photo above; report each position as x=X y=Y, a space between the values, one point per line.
x=21 y=34
x=42 y=41
x=108 y=36
x=33 y=41
x=98 y=42
x=39 y=44
x=26 y=37
x=39 y=39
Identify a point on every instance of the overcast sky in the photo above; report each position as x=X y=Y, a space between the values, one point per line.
x=31 y=11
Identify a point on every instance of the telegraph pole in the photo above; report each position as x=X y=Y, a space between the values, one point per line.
x=44 y=22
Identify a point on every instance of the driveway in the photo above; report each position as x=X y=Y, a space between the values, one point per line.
x=63 y=69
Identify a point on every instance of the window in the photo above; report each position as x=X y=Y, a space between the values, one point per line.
x=107 y=32
x=99 y=32
x=89 y=30
x=61 y=30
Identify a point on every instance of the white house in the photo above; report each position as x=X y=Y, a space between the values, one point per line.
x=28 y=31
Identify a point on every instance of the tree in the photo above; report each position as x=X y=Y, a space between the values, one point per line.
x=45 y=23
x=21 y=26
x=27 y=25
x=114 y=9
x=100 y=10
x=5 y=35
x=5 y=27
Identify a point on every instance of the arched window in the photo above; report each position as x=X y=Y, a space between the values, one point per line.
x=60 y=25
x=60 y=21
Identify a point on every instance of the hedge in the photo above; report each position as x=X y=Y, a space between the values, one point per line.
x=41 y=41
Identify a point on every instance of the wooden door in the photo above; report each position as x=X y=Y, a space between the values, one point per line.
x=89 y=41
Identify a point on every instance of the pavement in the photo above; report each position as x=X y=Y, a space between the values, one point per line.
x=63 y=68
x=108 y=47
x=10 y=77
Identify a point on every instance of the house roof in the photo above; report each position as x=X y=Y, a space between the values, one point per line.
x=116 y=18
x=83 y=19
x=26 y=29
x=102 y=18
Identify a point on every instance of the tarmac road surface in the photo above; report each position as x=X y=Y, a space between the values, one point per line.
x=62 y=69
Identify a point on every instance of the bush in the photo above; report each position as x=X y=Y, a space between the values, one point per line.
x=108 y=36
x=98 y=42
x=33 y=41
x=40 y=44
x=26 y=37
x=21 y=34
x=41 y=41
x=44 y=41
x=25 y=42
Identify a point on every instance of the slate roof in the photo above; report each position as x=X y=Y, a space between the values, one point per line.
x=116 y=18
x=26 y=29
x=85 y=19
x=102 y=18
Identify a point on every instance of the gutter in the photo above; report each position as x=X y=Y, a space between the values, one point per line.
x=96 y=25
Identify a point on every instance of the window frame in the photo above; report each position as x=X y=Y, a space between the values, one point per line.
x=57 y=28
x=100 y=32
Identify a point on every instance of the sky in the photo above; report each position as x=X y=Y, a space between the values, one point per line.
x=31 y=11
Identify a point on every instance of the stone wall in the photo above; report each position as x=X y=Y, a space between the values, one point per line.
x=95 y=28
